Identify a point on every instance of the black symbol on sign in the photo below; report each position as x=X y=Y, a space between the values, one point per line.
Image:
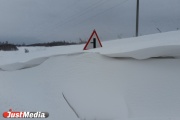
x=94 y=42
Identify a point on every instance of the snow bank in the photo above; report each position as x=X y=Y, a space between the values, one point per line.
x=16 y=60
x=149 y=52
x=98 y=87
x=143 y=47
x=23 y=65
x=36 y=52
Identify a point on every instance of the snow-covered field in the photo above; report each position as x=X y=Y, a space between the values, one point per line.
x=127 y=79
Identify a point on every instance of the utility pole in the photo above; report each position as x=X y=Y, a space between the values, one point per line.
x=137 y=19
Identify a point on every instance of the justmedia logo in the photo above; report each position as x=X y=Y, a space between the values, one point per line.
x=13 y=114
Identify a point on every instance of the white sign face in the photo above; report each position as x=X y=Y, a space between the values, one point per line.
x=93 y=42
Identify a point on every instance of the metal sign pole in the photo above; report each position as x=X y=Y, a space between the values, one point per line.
x=137 y=19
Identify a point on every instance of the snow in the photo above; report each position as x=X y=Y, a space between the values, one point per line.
x=19 y=59
x=144 y=47
x=100 y=84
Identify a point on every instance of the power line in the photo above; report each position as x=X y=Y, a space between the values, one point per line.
x=100 y=2
x=84 y=12
x=102 y=12
x=89 y=9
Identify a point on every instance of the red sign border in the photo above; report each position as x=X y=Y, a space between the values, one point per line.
x=94 y=32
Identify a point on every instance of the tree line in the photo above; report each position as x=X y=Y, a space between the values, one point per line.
x=6 y=46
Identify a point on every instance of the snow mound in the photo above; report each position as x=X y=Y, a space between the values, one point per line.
x=23 y=65
x=158 y=51
x=37 y=52
x=97 y=87
x=30 y=63
x=143 y=47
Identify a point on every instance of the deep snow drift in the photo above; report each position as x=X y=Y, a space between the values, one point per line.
x=144 y=47
x=98 y=87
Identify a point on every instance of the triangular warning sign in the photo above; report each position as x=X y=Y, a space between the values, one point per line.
x=93 y=42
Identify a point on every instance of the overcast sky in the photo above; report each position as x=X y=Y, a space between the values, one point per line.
x=31 y=21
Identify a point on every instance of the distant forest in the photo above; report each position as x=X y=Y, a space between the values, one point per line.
x=5 y=46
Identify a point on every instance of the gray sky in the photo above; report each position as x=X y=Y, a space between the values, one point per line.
x=32 y=21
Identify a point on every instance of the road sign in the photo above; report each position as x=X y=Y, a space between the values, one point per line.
x=93 y=42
